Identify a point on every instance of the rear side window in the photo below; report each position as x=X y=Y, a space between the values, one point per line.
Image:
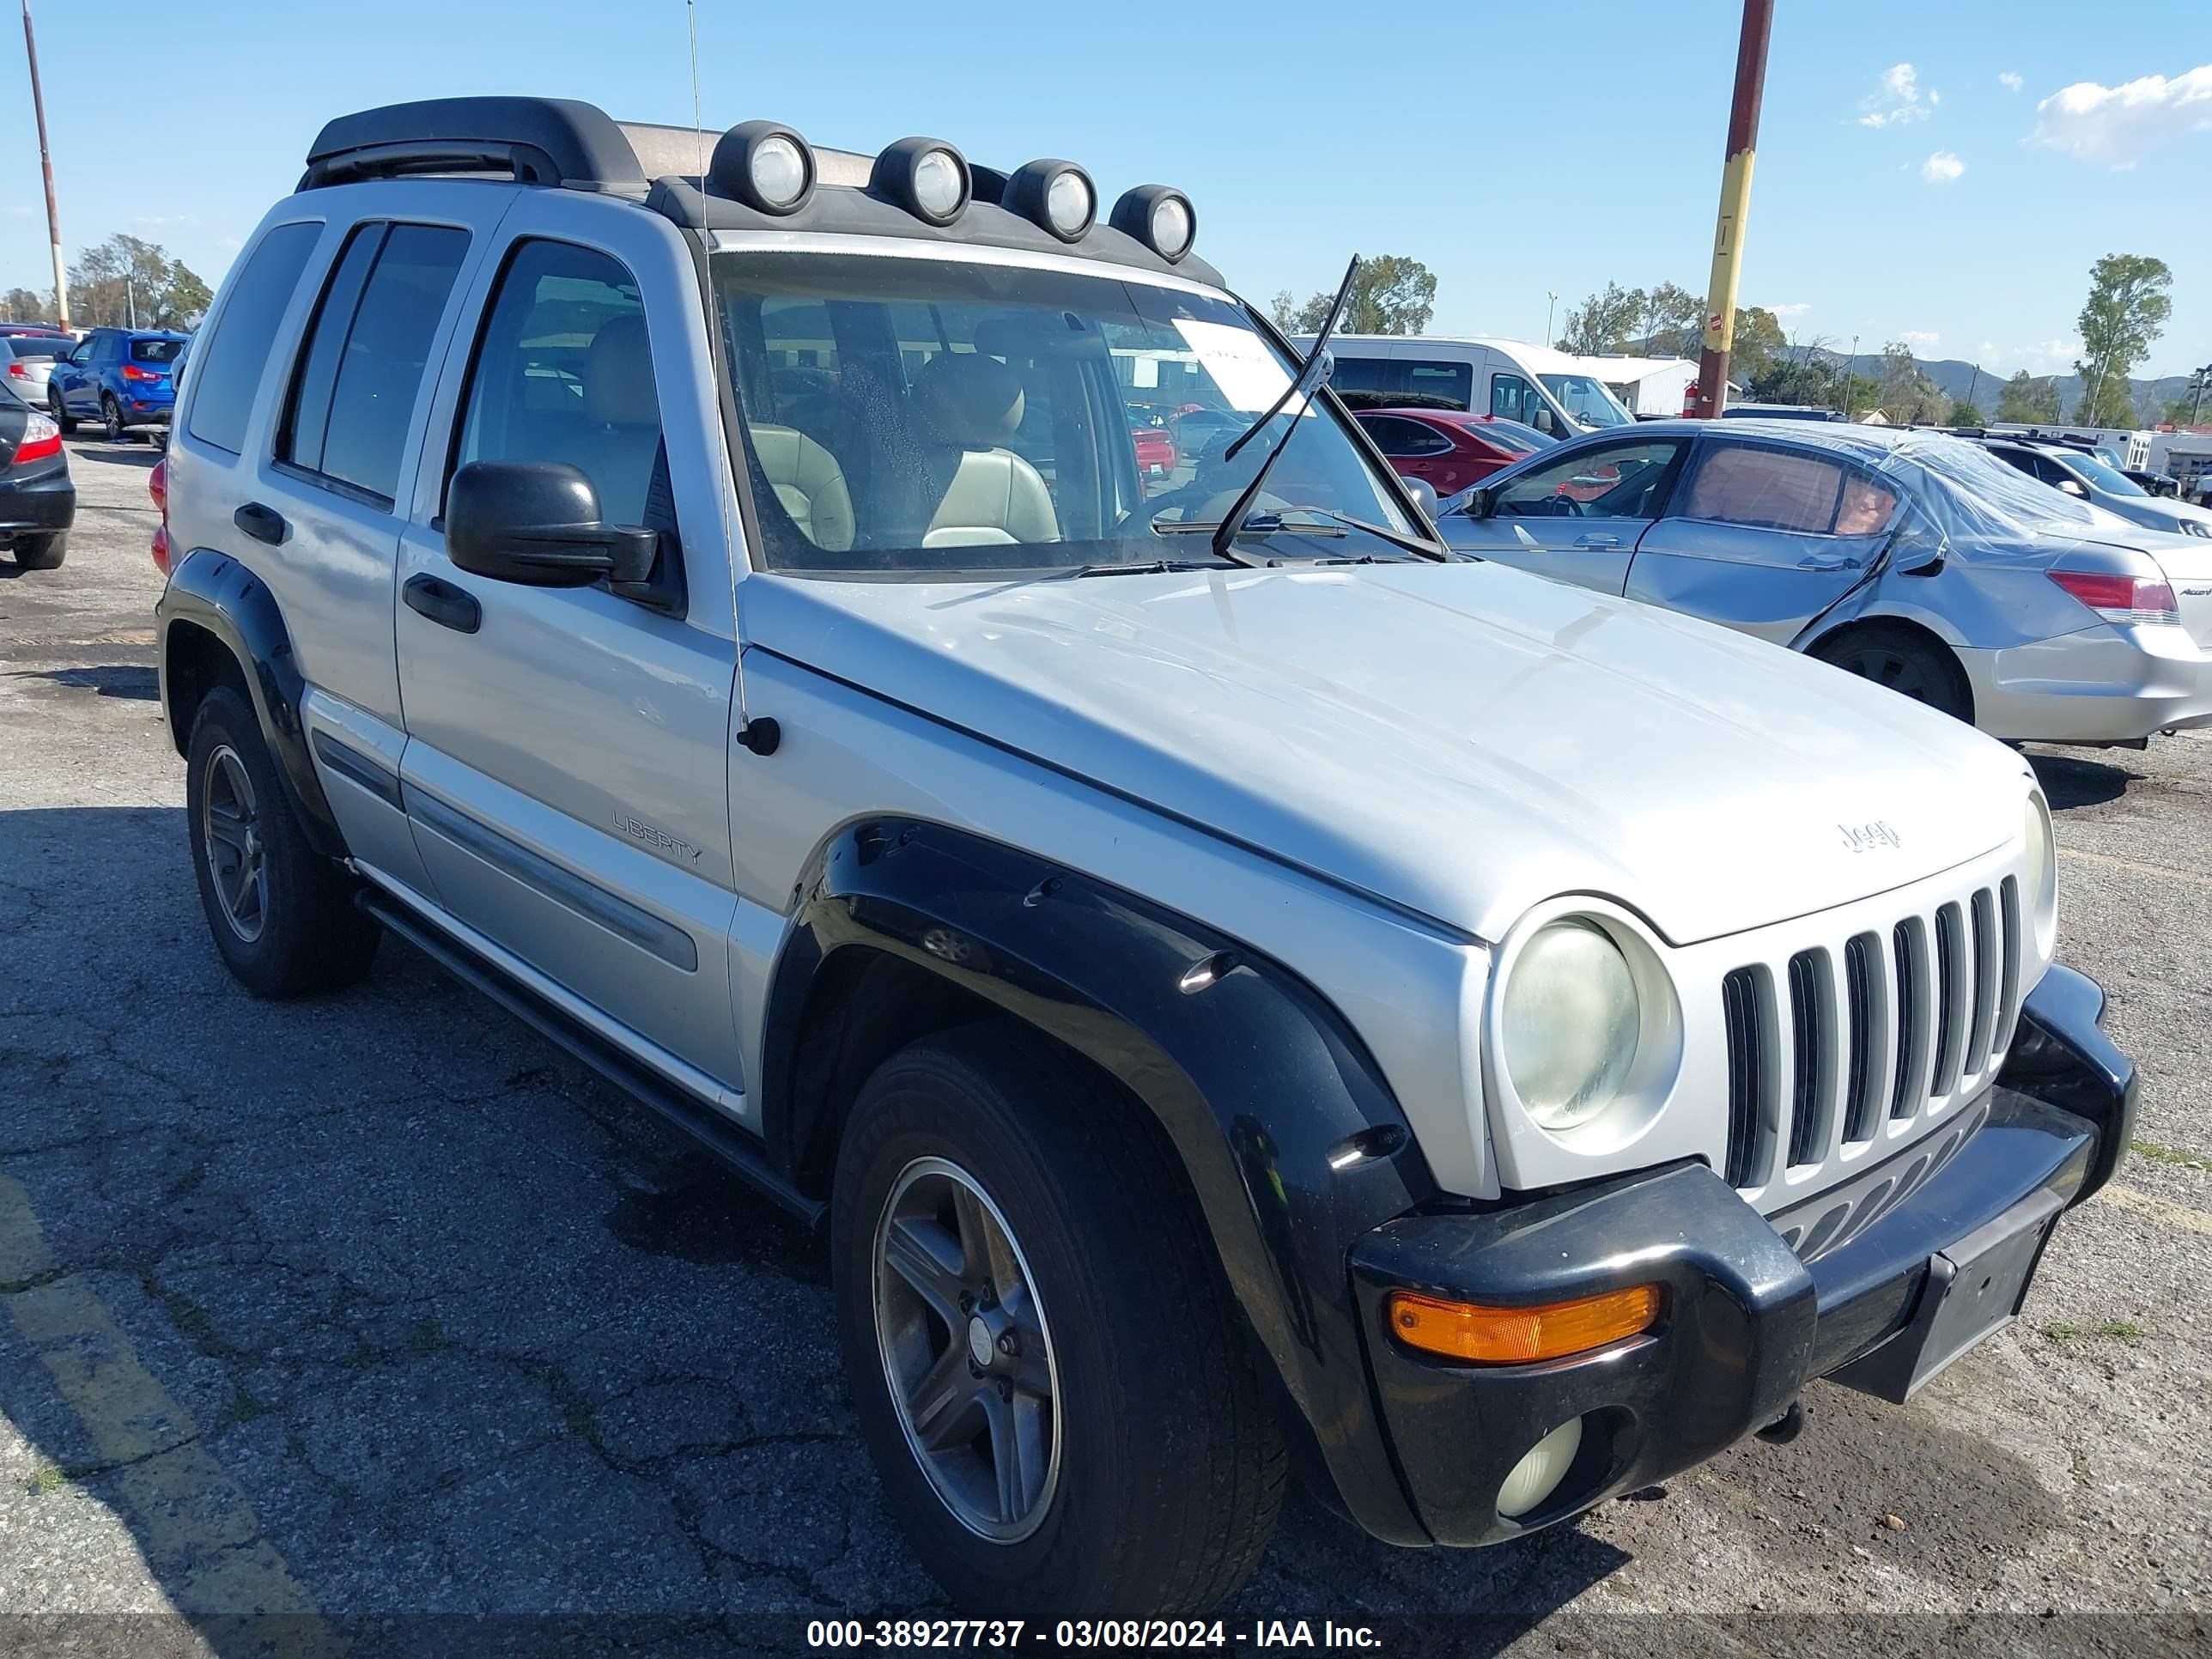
x=1785 y=489
x=230 y=368
x=1453 y=382
x=353 y=393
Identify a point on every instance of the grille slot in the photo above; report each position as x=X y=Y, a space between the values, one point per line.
x=1988 y=972
x=1861 y=1106
x=1908 y=949
x=1951 y=996
x=1811 y=1021
x=2008 y=993
x=1746 y=1075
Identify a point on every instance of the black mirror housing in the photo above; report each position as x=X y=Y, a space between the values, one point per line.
x=1481 y=502
x=537 y=523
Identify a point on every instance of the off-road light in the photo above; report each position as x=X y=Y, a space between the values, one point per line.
x=926 y=176
x=1160 y=217
x=1057 y=195
x=1486 y=1335
x=765 y=165
x=1537 y=1476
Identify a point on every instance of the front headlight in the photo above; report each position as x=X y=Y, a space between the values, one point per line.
x=1568 y=1023
x=2039 y=886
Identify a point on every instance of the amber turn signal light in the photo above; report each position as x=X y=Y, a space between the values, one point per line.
x=1515 y=1336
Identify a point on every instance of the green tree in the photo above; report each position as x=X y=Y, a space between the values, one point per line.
x=24 y=304
x=2028 y=399
x=1600 y=325
x=2126 y=310
x=1760 y=343
x=1968 y=414
x=125 y=281
x=1673 y=323
x=1906 y=394
x=1392 y=294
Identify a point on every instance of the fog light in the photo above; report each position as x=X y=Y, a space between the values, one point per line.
x=926 y=176
x=1516 y=1336
x=1057 y=195
x=766 y=166
x=1537 y=1476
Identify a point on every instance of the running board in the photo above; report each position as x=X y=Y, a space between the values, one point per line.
x=699 y=1118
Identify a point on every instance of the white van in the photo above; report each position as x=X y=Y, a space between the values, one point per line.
x=1549 y=390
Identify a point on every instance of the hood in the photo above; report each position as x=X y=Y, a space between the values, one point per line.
x=1457 y=740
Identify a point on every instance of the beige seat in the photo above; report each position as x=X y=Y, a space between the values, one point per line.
x=966 y=404
x=810 y=484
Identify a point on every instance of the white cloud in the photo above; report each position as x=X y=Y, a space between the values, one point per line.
x=1919 y=339
x=1942 y=167
x=2118 y=125
x=1795 y=309
x=2036 y=357
x=2010 y=81
x=1900 y=100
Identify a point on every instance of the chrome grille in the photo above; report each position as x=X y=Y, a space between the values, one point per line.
x=1840 y=1046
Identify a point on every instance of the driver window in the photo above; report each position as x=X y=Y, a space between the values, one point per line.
x=1513 y=399
x=564 y=373
x=1619 y=481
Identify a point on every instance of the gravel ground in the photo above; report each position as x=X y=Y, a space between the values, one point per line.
x=376 y=1318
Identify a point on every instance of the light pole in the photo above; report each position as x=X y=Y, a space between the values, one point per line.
x=45 y=164
x=2199 y=382
x=1552 y=300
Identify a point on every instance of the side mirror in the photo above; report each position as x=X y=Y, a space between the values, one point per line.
x=1481 y=502
x=1546 y=425
x=537 y=523
x=1423 y=493
x=2074 y=489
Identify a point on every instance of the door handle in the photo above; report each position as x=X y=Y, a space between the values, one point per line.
x=264 y=524
x=1827 y=564
x=443 y=604
x=1598 y=538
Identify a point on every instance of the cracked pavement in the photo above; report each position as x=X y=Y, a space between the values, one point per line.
x=351 y=1324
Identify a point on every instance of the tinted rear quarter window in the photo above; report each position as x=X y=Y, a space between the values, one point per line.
x=155 y=351
x=354 y=396
x=229 y=369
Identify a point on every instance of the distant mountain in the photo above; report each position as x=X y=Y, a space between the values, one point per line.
x=1964 y=383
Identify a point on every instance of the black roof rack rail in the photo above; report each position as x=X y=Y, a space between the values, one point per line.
x=538 y=140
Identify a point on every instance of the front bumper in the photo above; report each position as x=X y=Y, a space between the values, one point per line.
x=1747 y=1323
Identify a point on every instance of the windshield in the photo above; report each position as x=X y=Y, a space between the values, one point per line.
x=2094 y=471
x=1587 y=401
x=960 y=417
x=1969 y=492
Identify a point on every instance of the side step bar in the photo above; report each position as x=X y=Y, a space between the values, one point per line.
x=698 y=1118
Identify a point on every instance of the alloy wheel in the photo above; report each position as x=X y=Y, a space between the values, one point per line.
x=966 y=1351
x=230 y=830
x=1893 y=669
x=111 y=414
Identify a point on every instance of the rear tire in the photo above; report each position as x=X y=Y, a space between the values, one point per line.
x=41 y=552
x=1904 y=661
x=59 y=410
x=111 y=418
x=1152 y=1473
x=283 y=916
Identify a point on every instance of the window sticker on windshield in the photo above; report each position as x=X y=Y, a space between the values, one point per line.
x=1242 y=367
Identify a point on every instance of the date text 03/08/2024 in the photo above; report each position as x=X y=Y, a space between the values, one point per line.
x=823 y=1635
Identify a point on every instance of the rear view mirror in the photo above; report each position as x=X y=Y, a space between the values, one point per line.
x=537 y=523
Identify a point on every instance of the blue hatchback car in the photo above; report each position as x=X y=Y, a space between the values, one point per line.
x=117 y=376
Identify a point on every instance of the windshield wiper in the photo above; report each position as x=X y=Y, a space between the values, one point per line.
x=1309 y=380
x=1256 y=524
x=1418 y=546
x=1148 y=568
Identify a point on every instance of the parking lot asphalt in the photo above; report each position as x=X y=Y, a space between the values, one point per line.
x=353 y=1312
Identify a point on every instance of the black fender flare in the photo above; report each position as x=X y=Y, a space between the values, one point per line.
x=214 y=592
x=1291 y=1138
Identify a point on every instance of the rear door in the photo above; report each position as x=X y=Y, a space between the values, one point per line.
x=1578 y=517
x=1764 y=537
x=567 y=762
x=1414 y=448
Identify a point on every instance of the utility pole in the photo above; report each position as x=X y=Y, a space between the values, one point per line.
x=1552 y=300
x=2197 y=383
x=1735 y=203
x=47 y=165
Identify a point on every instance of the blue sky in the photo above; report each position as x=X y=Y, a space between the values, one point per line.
x=1515 y=149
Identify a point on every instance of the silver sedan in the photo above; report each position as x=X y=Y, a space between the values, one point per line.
x=1912 y=558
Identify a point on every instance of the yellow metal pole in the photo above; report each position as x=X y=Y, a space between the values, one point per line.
x=1735 y=203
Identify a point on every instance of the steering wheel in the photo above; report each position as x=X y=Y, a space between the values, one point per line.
x=1564 y=507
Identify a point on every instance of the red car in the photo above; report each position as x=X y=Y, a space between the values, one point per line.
x=1156 y=451
x=1449 y=448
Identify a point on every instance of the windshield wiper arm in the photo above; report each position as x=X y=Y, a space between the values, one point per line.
x=1309 y=380
x=1418 y=546
x=1263 y=523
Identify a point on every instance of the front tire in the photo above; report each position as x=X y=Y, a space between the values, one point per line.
x=283 y=916
x=1904 y=661
x=41 y=552
x=1046 y=1364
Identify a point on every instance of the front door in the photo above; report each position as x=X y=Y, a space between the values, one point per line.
x=1578 y=518
x=567 y=761
x=1764 y=537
